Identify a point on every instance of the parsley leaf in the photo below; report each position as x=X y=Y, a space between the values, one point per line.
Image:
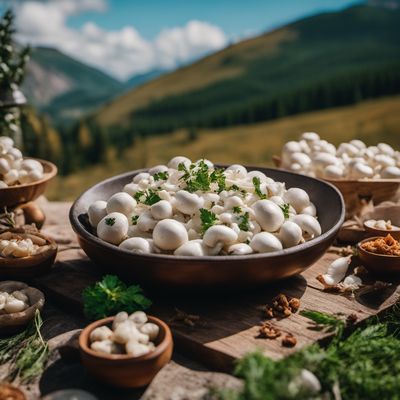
x=161 y=176
x=110 y=221
x=134 y=219
x=257 y=183
x=244 y=222
x=219 y=177
x=285 y=209
x=150 y=197
x=111 y=296
x=237 y=210
x=208 y=219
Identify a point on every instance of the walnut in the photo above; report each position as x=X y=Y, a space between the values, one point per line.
x=294 y=304
x=268 y=331
x=289 y=340
x=282 y=306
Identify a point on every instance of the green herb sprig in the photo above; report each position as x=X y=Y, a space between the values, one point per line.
x=134 y=219
x=148 y=197
x=111 y=295
x=161 y=176
x=257 y=188
x=243 y=222
x=208 y=219
x=285 y=209
x=110 y=221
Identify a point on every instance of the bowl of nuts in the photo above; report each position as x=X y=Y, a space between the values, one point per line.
x=24 y=253
x=126 y=350
x=18 y=305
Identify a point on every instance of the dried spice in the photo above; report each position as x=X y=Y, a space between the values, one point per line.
x=268 y=331
x=388 y=246
x=289 y=340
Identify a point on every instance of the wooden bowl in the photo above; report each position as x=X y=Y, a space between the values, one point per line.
x=169 y=271
x=125 y=370
x=11 y=323
x=378 y=264
x=20 y=194
x=31 y=266
x=381 y=232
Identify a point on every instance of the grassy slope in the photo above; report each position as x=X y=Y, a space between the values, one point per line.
x=373 y=121
x=313 y=49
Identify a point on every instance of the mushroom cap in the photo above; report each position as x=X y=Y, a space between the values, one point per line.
x=157 y=169
x=391 y=173
x=308 y=224
x=97 y=211
x=4 y=166
x=236 y=170
x=188 y=203
x=240 y=249
x=268 y=215
x=113 y=228
x=265 y=242
x=219 y=234
x=169 y=234
x=290 y=234
x=30 y=165
x=136 y=245
x=142 y=175
x=174 y=162
x=193 y=248
x=161 y=210
x=121 y=202
x=297 y=198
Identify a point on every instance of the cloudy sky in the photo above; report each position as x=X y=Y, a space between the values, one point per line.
x=128 y=37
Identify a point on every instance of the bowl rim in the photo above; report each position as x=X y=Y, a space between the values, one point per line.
x=376 y=230
x=46 y=176
x=80 y=230
x=369 y=239
x=159 y=349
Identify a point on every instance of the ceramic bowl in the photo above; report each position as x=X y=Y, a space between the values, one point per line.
x=125 y=370
x=167 y=271
x=31 y=266
x=11 y=323
x=395 y=232
x=378 y=264
x=20 y=194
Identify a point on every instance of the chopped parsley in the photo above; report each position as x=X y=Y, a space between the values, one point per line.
x=150 y=197
x=243 y=222
x=110 y=221
x=237 y=210
x=208 y=219
x=247 y=241
x=257 y=183
x=161 y=176
x=285 y=209
x=218 y=176
x=134 y=219
x=234 y=187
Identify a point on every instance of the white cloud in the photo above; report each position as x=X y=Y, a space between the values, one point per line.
x=121 y=53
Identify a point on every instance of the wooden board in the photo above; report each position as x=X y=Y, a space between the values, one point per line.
x=228 y=323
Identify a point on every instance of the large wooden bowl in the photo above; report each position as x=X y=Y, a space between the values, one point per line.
x=235 y=271
x=20 y=194
x=125 y=370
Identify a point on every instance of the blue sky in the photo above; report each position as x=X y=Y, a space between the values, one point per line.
x=130 y=37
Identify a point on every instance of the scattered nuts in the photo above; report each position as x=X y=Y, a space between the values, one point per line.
x=268 y=331
x=289 y=340
x=282 y=306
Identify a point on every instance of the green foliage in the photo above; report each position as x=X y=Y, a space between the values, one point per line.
x=257 y=188
x=161 y=176
x=110 y=296
x=134 y=219
x=110 y=221
x=148 y=197
x=364 y=365
x=244 y=222
x=285 y=209
x=208 y=219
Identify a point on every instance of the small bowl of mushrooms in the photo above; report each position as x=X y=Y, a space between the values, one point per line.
x=18 y=304
x=126 y=350
x=24 y=253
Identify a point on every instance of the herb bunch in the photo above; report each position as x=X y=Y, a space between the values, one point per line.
x=208 y=219
x=111 y=295
x=148 y=197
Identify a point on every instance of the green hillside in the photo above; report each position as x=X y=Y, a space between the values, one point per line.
x=323 y=61
x=64 y=87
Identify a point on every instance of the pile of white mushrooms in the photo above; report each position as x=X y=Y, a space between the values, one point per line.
x=194 y=209
x=19 y=245
x=14 y=169
x=16 y=301
x=132 y=335
x=353 y=160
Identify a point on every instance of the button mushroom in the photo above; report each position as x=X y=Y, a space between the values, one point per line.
x=122 y=203
x=96 y=212
x=268 y=215
x=219 y=234
x=113 y=228
x=265 y=242
x=188 y=203
x=169 y=234
x=308 y=224
x=290 y=234
x=161 y=210
x=136 y=245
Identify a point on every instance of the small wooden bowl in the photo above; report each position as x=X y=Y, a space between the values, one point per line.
x=12 y=323
x=21 y=194
x=378 y=264
x=395 y=233
x=125 y=370
x=31 y=266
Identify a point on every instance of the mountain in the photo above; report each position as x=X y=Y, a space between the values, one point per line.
x=326 y=60
x=137 y=80
x=64 y=87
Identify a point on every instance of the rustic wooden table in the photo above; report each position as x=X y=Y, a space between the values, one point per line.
x=226 y=330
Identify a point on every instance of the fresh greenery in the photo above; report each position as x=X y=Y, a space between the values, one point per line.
x=244 y=222
x=285 y=209
x=237 y=210
x=110 y=221
x=208 y=219
x=257 y=188
x=111 y=295
x=27 y=352
x=134 y=219
x=161 y=176
x=364 y=365
x=148 y=197
x=198 y=177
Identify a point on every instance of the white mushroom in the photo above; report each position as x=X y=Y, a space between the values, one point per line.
x=157 y=169
x=139 y=318
x=105 y=346
x=96 y=212
x=136 y=349
x=146 y=222
x=290 y=234
x=11 y=177
x=136 y=245
x=298 y=198
x=169 y=234
x=120 y=317
x=308 y=224
x=14 y=305
x=188 y=203
x=333 y=172
x=336 y=271
x=31 y=165
x=161 y=210
x=122 y=203
x=141 y=176
x=131 y=189
x=268 y=215
x=174 y=162
x=113 y=228
x=4 y=166
x=360 y=170
x=151 y=330
x=390 y=173
x=193 y=248
x=265 y=242
x=100 y=333
x=239 y=249
x=219 y=234
x=237 y=171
